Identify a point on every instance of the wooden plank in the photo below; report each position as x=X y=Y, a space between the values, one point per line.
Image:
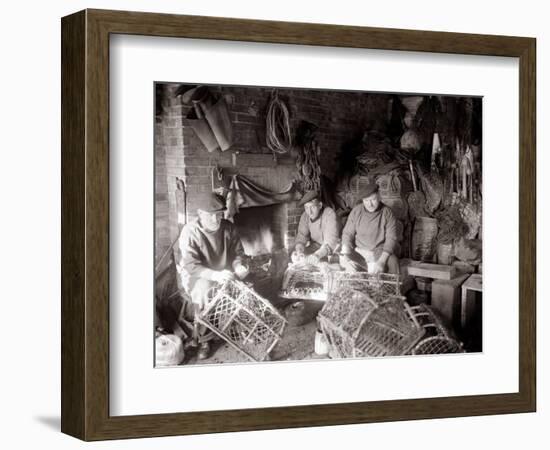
x=73 y=264
x=474 y=283
x=446 y=295
x=437 y=271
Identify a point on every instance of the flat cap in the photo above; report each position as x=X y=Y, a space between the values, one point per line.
x=368 y=190
x=308 y=196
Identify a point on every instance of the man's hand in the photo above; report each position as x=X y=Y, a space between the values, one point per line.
x=347 y=264
x=297 y=258
x=241 y=271
x=299 y=249
x=221 y=276
x=380 y=264
x=378 y=267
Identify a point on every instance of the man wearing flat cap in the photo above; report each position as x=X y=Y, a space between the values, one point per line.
x=369 y=238
x=210 y=253
x=319 y=227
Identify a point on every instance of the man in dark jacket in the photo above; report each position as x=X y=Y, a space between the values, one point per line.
x=210 y=253
x=369 y=238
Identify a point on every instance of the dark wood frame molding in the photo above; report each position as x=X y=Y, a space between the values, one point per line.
x=85 y=224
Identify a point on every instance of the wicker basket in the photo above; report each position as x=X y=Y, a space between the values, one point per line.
x=243 y=319
x=356 y=325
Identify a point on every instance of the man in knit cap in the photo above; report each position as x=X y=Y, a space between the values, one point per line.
x=211 y=252
x=369 y=238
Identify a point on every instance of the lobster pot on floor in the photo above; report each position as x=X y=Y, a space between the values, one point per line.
x=243 y=319
x=355 y=325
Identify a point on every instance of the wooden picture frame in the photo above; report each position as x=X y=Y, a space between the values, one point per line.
x=85 y=224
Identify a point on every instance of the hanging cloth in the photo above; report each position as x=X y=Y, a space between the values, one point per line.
x=243 y=193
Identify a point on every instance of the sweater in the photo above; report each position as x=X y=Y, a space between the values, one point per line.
x=370 y=231
x=202 y=251
x=325 y=230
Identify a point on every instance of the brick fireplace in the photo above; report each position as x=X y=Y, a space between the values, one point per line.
x=183 y=166
x=263 y=229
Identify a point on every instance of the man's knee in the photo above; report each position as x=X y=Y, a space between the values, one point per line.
x=199 y=293
x=199 y=298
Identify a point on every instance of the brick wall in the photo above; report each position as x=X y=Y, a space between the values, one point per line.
x=168 y=144
x=180 y=154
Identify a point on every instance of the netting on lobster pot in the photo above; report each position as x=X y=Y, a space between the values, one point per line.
x=378 y=286
x=243 y=319
x=437 y=338
x=305 y=284
x=356 y=325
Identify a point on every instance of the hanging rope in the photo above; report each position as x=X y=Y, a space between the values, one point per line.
x=307 y=160
x=309 y=167
x=278 y=137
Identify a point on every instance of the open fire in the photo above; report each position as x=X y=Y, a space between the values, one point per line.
x=260 y=229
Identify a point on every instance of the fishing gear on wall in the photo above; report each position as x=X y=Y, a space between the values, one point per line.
x=278 y=135
x=307 y=161
x=208 y=116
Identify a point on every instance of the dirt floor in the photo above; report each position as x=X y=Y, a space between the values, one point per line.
x=298 y=342
x=298 y=339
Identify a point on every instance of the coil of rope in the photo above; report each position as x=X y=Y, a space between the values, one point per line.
x=278 y=136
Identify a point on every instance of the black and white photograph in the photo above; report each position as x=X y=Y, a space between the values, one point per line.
x=298 y=224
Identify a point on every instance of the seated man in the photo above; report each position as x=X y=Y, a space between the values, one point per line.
x=319 y=226
x=369 y=238
x=211 y=252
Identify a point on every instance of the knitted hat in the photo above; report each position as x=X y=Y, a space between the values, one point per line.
x=307 y=197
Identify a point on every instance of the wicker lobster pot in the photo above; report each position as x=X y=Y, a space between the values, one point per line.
x=437 y=337
x=377 y=286
x=356 y=325
x=305 y=284
x=319 y=285
x=243 y=319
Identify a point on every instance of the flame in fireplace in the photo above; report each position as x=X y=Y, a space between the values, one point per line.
x=259 y=244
